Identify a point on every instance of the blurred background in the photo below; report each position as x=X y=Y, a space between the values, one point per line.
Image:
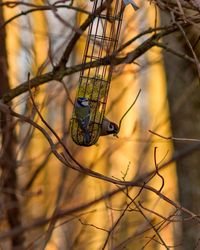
x=48 y=204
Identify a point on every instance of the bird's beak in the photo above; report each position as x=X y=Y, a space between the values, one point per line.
x=116 y=135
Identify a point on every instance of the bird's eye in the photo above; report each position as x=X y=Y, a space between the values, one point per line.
x=111 y=127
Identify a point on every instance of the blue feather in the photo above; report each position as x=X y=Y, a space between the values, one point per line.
x=82 y=111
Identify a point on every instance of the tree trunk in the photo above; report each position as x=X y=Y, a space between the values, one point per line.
x=8 y=157
x=184 y=102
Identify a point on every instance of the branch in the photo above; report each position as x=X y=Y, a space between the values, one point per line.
x=60 y=72
x=66 y=212
x=40 y=8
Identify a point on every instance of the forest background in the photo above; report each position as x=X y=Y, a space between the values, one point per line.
x=138 y=191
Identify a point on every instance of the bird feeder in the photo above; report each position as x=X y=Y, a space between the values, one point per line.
x=94 y=82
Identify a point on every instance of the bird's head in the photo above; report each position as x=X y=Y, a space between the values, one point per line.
x=113 y=128
x=82 y=101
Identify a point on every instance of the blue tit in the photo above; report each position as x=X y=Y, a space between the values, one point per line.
x=82 y=112
x=108 y=127
x=134 y=5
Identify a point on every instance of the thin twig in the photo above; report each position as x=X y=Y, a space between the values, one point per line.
x=121 y=120
x=174 y=138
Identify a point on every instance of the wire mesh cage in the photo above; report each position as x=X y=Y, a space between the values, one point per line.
x=102 y=40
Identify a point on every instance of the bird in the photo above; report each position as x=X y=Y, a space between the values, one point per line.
x=108 y=127
x=82 y=112
x=134 y=5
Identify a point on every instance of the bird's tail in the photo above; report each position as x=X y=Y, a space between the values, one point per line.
x=86 y=137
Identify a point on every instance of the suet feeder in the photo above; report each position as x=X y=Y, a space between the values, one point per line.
x=94 y=82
